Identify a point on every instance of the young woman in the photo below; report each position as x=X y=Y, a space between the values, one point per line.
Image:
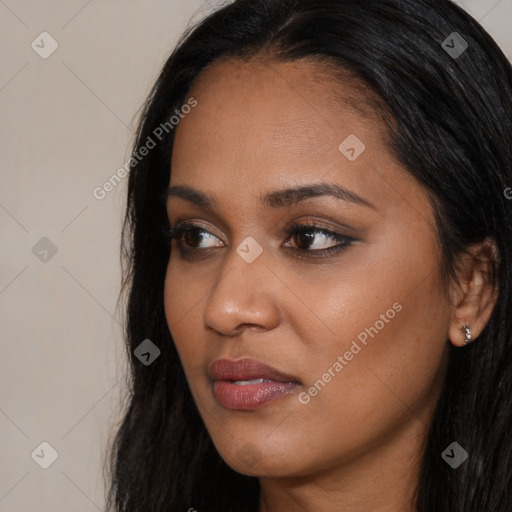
x=317 y=249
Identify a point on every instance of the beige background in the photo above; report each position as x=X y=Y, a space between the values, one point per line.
x=67 y=123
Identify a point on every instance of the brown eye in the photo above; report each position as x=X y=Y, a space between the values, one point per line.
x=304 y=239
x=305 y=236
x=189 y=236
x=192 y=236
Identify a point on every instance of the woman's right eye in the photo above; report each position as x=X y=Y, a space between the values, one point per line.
x=192 y=234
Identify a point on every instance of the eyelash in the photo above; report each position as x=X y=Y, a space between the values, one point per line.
x=175 y=233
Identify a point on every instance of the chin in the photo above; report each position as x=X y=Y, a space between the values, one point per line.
x=252 y=460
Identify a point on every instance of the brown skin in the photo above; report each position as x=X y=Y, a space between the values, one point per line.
x=357 y=444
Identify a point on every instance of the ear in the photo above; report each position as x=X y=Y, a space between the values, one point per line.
x=474 y=297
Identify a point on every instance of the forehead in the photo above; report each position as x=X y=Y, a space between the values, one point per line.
x=289 y=97
x=262 y=124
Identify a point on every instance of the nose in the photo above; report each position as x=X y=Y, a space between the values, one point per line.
x=244 y=295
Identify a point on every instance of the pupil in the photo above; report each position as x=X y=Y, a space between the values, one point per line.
x=305 y=238
x=192 y=234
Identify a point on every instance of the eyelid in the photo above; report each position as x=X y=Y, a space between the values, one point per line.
x=182 y=218
x=296 y=226
x=183 y=224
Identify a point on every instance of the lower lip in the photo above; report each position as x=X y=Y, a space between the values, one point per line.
x=250 y=396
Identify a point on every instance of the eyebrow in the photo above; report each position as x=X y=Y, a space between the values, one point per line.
x=274 y=199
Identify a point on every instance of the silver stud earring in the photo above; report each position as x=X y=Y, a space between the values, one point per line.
x=467 y=334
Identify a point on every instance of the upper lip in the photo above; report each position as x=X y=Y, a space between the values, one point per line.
x=246 y=369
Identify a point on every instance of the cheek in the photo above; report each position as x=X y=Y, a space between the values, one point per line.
x=377 y=388
x=183 y=302
x=372 y=353
x=381 y=361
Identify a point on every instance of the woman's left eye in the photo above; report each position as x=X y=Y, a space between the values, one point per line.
x=308 y=238
x=308 y=234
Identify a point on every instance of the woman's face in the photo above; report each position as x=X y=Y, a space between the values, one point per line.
x=358 y=335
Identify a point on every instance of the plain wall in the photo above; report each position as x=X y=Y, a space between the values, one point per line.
x=67 y=124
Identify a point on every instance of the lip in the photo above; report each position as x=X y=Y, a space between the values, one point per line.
x=223 y=373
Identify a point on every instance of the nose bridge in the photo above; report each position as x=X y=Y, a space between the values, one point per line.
x=242 y=294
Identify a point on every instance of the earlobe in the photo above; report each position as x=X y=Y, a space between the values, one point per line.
x=476 y=295
x=461 y=333
x=466 y=331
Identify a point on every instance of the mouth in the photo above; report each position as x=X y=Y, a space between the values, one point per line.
x=248 y=384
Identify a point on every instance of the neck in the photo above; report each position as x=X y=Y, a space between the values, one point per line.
x=384 y=479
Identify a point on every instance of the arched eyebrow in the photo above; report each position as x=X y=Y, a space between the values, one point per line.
x=275 y=199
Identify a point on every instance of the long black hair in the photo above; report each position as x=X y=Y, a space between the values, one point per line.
x=447 y=101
